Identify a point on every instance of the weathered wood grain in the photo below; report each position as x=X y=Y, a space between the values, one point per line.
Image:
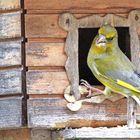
x=131 y=113
x=10 y=82
x=53 y=113
x=40 y=134
x=135 y=49
x=46 y=82
x=46 y=25
x=15 y=134
x=9 y=4
x=43 y=26
x=86 y=133
x=10 y=25
x=11 y=112
x=10 y=53
x=83 y=6
x=72 y=62
x=46 y=40
x=45 y=54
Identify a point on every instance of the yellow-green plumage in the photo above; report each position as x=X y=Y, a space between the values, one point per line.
x=110 y=66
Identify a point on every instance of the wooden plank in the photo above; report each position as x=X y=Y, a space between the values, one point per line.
x=134 y=43
x=43 y=26
x=46 y=40
x=46 y=82
x=15 y=134
x=131 y=113
x=9 y=4
x=10 y=25
x=10 y=82
x=83 y=6
x=45 y=54
x=46 y=25
x=97 y=133
x=10 y=53
x=53 y=113
x=72 y=63
x=40 y=134
x=11 y=112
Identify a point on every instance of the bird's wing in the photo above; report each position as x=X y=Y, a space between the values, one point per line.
x=124 y=73
x=127 y=79
x=121 y=75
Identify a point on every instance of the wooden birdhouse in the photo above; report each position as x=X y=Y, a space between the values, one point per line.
x=43 y=56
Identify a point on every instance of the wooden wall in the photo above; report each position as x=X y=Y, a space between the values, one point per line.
x=43 y=58
x=11 y=65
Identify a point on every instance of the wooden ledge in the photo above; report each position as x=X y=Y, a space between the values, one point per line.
x=102 y=132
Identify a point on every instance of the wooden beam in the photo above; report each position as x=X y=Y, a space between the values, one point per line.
x=10 y=53
x=11 y=82
x=46 y=25
x=52 y=113
x=52 y=54
x=9 y=4
x=43 y=26
x=82 y=6
x=15 y=134
x=10 y=25
x=97 y=133
x=46 y=82
x=11 y=112
x=40 y=134
x=46 y=40
x=134 y=46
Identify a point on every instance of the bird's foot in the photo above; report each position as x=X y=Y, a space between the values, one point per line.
x=90 y=88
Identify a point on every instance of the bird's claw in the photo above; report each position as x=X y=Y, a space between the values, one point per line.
x=87 y=85
x=90 y=88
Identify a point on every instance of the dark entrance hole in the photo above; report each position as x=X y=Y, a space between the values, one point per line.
x=86 y=36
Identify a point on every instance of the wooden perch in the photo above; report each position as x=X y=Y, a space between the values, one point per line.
x=75 y=105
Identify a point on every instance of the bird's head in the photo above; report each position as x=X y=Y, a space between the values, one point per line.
x=106 y=38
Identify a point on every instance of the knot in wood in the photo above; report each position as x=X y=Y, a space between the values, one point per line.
x=136 y=17
x=67 y=21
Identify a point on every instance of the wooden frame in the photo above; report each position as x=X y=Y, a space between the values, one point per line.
x=69 y=23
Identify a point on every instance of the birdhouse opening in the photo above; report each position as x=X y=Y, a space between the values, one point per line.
x=86 y=36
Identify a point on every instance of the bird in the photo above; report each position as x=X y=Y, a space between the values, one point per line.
x=111 y=66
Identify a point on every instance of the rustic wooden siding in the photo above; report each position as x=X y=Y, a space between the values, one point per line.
x=11 y=82
x=10 y=25
x=9 y=5
x=11 y=65
x=15 y=134
x=45 y=59
x=45 y=54
x=10 y=53
x=84 y=6
x=11 y=110
x=46 y=82
x=53 y=113
x=43 y=26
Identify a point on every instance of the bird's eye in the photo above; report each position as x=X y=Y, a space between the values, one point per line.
x=109 y=38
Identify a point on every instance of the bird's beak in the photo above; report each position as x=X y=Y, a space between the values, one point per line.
x=101 y=40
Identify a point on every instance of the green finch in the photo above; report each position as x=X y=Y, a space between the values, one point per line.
x=111 y=67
